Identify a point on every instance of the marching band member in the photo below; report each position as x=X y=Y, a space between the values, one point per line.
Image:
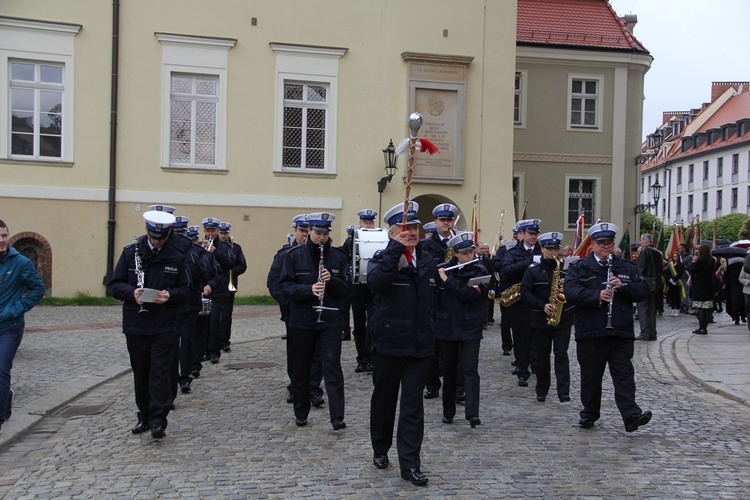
x=314 y=281
x=537 y=292
x=506 y=333
x=459 y=320
x=603 y=290
x=483 y=252
x=222 y=251
x=150 y=328
x=240 y=266
x=402 y=279
x=515 y=263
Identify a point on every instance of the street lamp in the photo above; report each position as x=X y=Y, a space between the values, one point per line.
x=656 y=195
x=390 y=158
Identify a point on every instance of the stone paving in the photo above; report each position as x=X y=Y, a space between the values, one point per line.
x=234 y=435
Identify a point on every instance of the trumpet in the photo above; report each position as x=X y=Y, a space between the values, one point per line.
x=208 y=243
x=232 y=288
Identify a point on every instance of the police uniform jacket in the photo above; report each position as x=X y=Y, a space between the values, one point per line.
x=402 y=321
x=272 y=281
x=584 y=281
x=497 y=266
x=299 y=270
x=224 y=255
x=204 y=271
x=535 y=293
x=515 y=263
x=165 y=270
x=240 y=263
x=357 y=289
x=435 y=246
x=460 y=309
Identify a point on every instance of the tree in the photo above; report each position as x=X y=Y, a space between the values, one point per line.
x=727 y=226
x=744 y=233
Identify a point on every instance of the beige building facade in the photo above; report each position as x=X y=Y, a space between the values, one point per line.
x=247 y=111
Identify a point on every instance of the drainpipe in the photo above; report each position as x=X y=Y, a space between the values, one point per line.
x=113 y=142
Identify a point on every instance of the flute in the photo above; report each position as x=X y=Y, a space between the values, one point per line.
x=459 y=266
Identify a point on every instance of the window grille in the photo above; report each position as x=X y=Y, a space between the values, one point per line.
x=305 y=114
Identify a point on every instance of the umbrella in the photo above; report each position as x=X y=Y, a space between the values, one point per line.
x=720 y=242
x=729 y=252
x=741 y=244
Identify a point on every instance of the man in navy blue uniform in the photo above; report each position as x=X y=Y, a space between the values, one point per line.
x=239 y=267
x=603 y=290
x=150 y=324
x=402 y=278
x=506 y=333
x=314 y=280
x=515 y=263
x=220 y=298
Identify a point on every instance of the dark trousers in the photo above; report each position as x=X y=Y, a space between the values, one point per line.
x=360 y=306
x=178 y=373
x=506 y=335
x=647 y=316
x=227 y=323
x=545 y=340
x=490 y=311
x=462 y=356
x=593 y=356
x=218 y=324
x=433 y=376
x=150 y=358
x=303 y=350
x=522 y=335
x=200 y=340
x=388 y=375
x=186 y=328
x=316 y=368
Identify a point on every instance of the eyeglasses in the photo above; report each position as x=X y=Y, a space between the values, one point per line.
x=607 y=243
x=445 y=219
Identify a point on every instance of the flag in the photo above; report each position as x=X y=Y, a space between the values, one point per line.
x=689 y=236
x=475 y=222
x=625 y=242
x=583 y=249
x=523 y=212
x=579 y=232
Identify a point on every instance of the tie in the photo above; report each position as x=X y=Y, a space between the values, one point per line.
x=407 y=254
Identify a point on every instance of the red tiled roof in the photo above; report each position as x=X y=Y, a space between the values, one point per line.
x=736 y=107
x=573 y=23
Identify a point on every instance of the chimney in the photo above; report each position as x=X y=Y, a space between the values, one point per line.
x=718 y=88
x=629 y=20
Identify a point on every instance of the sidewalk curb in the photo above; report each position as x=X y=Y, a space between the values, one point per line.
x=696 y=374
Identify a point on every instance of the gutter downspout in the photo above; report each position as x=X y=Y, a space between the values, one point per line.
x=113 y=142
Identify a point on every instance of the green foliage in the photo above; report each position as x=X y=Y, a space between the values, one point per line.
x=80 y=299
x=255 y=300
x=647 y=226
x=727 y=226
x=744 y=233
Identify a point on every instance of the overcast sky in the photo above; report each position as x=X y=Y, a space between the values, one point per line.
x=693 y=43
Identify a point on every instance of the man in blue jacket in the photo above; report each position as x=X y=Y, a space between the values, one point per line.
x=16 y=272
x=402 y=278
x=603 y=290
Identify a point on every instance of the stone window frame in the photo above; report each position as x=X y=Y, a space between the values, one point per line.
x=598 y=98
x=595 y=197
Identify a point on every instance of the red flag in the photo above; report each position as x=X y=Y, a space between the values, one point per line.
x=583 y=249
x=475 y=222
x=579 y=232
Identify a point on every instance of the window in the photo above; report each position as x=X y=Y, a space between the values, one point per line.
x=519 y=99
x=678 y=208
x=748 y=196
x=733 y=201
x=305 y=112
x=581 y=194
x=643 y=181
x=705 y=202
x=36 y=105
x=719 y=196
x=719 y=167
x=194 y=101
x=306 y=108
x=735 y=164
x=679 y=175
x=691 y=173
x=690 y=205
x=705 y=170
x=584 y=109
x=37 y=90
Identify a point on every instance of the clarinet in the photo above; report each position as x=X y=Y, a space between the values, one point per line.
x=320 y=308
x=609 y=287
x=140 y=274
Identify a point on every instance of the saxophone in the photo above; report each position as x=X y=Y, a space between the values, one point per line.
x=449 y=252
x=556 y=297
x=510 y=295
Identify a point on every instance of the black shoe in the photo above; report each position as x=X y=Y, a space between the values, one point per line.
x=226 y=348
x=541 y=399
x=447 y=420
x=513 y=363
x=474 y=421
x=9 y=407
x=564 y=398
x=317 y=401
x=195 y=374
x=523 y=382
x=586 y=423
x=700 y=332
x=515 y=371
x=346 y=336
x=157 y=431
x=641 y=337
x=185 y=386
x=283 y=337
x=338 y=424
x=506 y=352
x=290 y=398
x=301 y=422
x=139 y=428
x=461 y=398
x=368 y=367
x=359 y=369
x=415 y=476
x=380 y=461
x=491 y=321
x=171 y=406
x=635 y=421
x=214 y=359
x=432 y=393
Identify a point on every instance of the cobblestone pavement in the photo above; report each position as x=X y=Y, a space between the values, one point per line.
x=234 y=435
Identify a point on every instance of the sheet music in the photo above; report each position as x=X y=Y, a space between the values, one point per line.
x=149 y=295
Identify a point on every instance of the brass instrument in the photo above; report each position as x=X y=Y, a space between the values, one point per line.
x=232 y=288
x=208 y=243
x=498 y=234
x=556 y=297
x=510 y=295
x=140 y=274
x=449 y=252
